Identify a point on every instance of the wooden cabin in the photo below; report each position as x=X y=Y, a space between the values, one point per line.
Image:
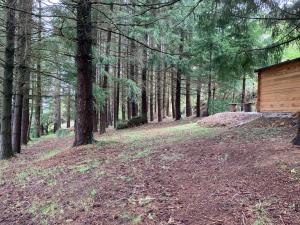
x=279 y=87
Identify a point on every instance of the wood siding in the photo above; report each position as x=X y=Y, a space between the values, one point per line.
x=279 y=88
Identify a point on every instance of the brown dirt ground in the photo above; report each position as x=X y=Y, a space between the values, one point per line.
x=162 y=175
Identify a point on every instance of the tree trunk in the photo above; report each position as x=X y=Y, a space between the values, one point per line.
x=178 y=82
x=124 y=99
x=158 y=91
x=117 y=85
x=213 y=98
x=6 y=138
x=209 y=84
x=151 y=96
x=38 y=97
x=173 y=94
x=57 y=104
x=243 y=93
x=188 y=106
x=168 y=97
x=144 y=82
x=84 y=94
x=26 y=87
x=129 y=111
x=198 y=107
x=20 y=121
x=208 y=96
x=134 y=111
x=164 y=91
x=69 y=107
x=104 y=108
x=159 y=102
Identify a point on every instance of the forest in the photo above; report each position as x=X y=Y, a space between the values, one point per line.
x=117 y=100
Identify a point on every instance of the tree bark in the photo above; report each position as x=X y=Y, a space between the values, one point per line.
x=134 y=111
x=144 y=81
x=20 y=121
x=151 y=102
x=117 y=85
x=104 y=108
x=173 y=94
x=208 y=96
x=243 y=93
x=178 y=82
x=69 y=107
x=84 y=90
x=38 y=98
x=164 y=92
x=159 y=100
x=26 y=87
x=57 y=104
x=198 y=107
x=6 y=138
x=188 y=106
x=168 y=96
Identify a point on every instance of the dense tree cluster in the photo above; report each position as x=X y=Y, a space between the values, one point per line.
x=92 y=64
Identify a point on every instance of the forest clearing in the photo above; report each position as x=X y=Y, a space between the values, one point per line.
x=171 y=173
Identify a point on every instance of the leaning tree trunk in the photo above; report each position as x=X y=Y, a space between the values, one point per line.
x=144 y=82
x=6 y=144
x=84 y=94
x=188 y=106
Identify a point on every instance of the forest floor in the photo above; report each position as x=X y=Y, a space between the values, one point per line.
x=176 y=173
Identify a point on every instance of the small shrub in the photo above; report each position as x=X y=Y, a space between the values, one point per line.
x=137 y=121
x=63 y=133
x=133 y=122
x=123 y=124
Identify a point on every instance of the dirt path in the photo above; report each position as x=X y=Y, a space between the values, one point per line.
x=177 y=173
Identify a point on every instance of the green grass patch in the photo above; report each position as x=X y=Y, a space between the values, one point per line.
x=37 y=173
x=262 y=217
x=127 y=156
x=86 y=166
x=45 y=210
x=64 y=133
x=49 y=154
x=42 y=138
x=104 y=142
x=130 y=218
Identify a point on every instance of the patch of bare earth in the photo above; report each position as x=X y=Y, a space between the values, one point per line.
x=247 y=175
x=228 y=119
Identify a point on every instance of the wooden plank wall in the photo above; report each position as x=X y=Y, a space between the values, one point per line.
x=279 y=88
